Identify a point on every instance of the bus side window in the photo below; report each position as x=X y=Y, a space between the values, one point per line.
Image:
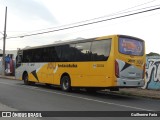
x=68 y=52
x=83 y=51
x=18 y=60
x=100 y=50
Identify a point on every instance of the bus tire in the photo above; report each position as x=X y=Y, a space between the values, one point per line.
x=26 y=81
x=65 y=83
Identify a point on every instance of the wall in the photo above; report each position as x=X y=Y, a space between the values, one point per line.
x=152 y=72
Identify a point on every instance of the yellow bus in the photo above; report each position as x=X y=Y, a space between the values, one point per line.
x=108 y=62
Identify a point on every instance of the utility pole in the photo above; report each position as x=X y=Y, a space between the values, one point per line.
x=4 y=44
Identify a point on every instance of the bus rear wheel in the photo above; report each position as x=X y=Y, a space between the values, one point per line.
x=65 y=83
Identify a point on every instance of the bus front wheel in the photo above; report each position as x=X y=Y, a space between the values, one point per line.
x=65 y=83
x=25 y=79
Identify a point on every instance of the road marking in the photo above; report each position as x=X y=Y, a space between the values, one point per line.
x=74 y=96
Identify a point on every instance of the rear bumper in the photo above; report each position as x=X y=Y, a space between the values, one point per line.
x=130 y=82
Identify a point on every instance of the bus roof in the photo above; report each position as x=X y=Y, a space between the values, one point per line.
x=78 y=41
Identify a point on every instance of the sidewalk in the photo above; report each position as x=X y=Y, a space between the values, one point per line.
x=154 y=94
x=8 y=77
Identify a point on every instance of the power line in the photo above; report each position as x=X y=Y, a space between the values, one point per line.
x=137 y=6
x=123 y=11
x=112 y=14
x=85 y=24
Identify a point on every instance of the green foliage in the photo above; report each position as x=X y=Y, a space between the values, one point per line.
x=152 y=54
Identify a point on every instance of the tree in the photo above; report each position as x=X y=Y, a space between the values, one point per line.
x=152 y=54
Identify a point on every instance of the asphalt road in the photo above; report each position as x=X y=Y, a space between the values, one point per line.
x=17 y=96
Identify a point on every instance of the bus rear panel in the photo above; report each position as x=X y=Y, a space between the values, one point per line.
x=130 y=62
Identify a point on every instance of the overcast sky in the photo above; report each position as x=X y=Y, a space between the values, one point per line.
x=30 y=16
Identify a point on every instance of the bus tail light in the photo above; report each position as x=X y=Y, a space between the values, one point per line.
x=144 y=69
x=116 y=69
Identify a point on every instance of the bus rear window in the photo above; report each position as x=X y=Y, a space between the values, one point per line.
x=131 y=46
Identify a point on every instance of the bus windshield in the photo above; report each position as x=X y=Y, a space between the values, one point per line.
x=131 y=46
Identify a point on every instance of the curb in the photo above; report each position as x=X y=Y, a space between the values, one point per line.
x=8 y=77
x=127 y=92
x=141 y=94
